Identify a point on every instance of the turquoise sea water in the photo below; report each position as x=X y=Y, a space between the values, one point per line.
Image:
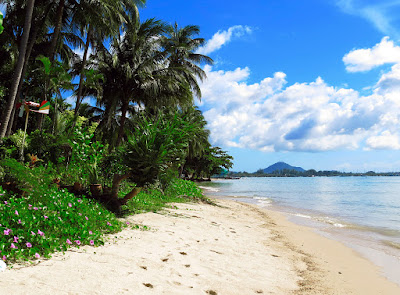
x=362 y=212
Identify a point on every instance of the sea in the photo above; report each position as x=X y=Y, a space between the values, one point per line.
x=362 y=212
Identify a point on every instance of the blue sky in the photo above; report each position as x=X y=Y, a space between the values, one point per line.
x=314 y=83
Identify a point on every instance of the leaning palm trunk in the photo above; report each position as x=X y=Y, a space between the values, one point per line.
x=80 y=88
x=18 y=69
x=57 y=29
x=118 y=178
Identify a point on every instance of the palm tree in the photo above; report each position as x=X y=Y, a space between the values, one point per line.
x=19 y=68
x=98 y=20
x=130 y=68
x=180 y=47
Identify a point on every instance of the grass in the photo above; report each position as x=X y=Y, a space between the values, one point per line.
x=152 y=199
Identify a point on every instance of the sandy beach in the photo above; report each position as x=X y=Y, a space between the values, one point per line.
x=233 y=248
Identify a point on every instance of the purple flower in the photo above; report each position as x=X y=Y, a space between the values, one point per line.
x=127 y=223
x=69 y=205
x=37 y=255
x=29 y=245
x=19 y=221
x=78 y=242
x=45 y=217
x=79 y=201
x=13 y=246
x=69 y=242
x=7 y=232
x=109 y=224
x=16 y=239
x=80 y=214
x=32 y=233
x=35 y=208
x=16 y=212
x=40 y=232
x=5 y=202
x=60 y=218
x=29 y=206
x=4 y=258
x=90 y=232
x=86 y=218
x=92 y=242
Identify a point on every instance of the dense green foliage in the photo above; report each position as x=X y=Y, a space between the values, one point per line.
x=126 y=150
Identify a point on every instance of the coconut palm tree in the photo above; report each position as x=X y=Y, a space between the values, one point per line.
x=180 y=47
x=130 y=67
x=98 y=20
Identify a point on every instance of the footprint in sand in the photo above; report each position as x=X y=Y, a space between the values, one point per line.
x=211 y=292
x=183 y=253
x=164 y=259
x=148 y=285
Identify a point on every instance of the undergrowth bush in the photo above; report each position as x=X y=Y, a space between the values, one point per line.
x=32 y=228
x=153 y=199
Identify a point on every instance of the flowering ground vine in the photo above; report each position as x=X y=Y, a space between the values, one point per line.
x=32 y=228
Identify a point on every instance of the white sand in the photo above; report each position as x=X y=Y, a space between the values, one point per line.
x=203 y=249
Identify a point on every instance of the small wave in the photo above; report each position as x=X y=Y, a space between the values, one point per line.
x=327 y=220
x=302 y=215
x=392 y=244
x=262 y=201
x=331 y=221
x=207 y=188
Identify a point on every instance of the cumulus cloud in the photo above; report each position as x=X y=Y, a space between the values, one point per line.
x=314 y=116
x=385 y=52
x=222 y=37
x=386 y=140
x=382 y=14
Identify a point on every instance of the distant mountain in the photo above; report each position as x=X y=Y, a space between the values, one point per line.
x=281 y=166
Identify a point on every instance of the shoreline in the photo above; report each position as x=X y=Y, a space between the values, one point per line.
x=233 y=248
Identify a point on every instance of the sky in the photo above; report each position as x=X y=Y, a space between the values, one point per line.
x=313 y=83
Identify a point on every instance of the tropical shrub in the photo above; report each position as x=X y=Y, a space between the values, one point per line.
x=153 y=199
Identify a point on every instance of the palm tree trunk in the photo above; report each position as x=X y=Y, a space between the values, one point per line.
x=18 y=69
x=124 y=109
x=12 y=118
x=35 y=30
x=80 y=88
x=57 y=29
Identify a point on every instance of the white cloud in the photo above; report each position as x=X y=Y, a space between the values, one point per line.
x=222 y=37
x=385 y=140
x=360 y=60
x=382 y=13
x=313 y=116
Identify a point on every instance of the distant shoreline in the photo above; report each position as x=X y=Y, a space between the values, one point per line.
x=302 y=174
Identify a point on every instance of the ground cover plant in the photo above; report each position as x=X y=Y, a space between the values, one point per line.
x=32 y=228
